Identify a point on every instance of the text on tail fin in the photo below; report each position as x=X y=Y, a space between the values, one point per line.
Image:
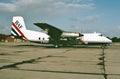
x=18 y=27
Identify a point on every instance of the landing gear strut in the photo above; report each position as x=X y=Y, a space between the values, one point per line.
x=56 y=44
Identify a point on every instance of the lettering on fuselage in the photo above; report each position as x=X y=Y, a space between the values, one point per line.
x=18 y=24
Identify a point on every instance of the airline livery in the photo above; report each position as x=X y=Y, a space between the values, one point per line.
x=54 y=35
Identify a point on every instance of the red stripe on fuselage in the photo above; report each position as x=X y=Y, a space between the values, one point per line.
x=18 y=30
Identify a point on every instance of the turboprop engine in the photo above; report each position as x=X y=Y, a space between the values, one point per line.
x=70 y=34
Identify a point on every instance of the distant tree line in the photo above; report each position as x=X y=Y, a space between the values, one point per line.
x=115 y=39
x=2 y=34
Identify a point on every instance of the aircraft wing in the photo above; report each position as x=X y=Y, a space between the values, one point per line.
x=51 y=30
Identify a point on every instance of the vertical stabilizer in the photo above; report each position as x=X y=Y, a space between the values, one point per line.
x=18 y=27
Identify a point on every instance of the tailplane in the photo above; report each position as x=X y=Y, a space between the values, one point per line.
x=18 y=27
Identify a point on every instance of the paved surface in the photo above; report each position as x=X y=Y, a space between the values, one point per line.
x=32 y=61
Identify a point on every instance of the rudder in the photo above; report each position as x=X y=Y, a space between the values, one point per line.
x=18 y=27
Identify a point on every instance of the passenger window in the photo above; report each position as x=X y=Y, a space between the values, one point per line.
x=39 y=38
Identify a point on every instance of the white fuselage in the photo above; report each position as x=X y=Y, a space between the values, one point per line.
x=35 y=36
x=95 y=38
x=88 y=38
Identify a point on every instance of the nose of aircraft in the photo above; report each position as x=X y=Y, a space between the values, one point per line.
x=109 y=41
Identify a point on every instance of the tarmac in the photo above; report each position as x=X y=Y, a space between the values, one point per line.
x=33 y=61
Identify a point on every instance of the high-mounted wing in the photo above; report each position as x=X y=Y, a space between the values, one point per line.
x=51 y=30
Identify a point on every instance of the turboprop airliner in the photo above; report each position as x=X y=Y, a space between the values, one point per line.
x=54 y=35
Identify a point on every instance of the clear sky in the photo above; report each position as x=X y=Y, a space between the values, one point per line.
x=71 y=15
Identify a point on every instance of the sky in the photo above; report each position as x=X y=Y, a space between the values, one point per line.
x=84 y=16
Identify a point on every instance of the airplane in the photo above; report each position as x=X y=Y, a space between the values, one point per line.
x=54 y=35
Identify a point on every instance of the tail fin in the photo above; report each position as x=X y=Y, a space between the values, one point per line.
x=18 y=27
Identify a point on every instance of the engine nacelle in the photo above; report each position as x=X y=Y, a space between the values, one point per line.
x=70 y=34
